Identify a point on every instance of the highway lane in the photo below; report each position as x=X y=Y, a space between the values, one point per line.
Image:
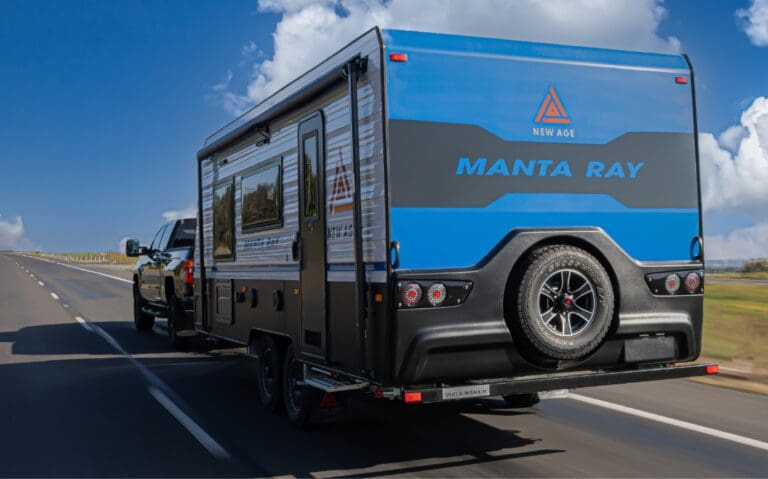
x=74 y=405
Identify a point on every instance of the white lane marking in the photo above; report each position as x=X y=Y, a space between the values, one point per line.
x=55 y=296
x=199 y=433
x=156 y=388
x=84 y=323
x=66 y=305
x=83 y=269
x=672 y=422
x=40 y=283
x=31 y=275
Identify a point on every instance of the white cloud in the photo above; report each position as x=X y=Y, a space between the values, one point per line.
x=311 y=30
x=738 y=180
x=755 y=22
x=12 y=235
x=121 y=245
x=171 y=215
x=744 y=243
x=250 y=49
x=731 y=137
x=734 y=175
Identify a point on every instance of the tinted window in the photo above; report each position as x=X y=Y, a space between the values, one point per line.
x=163 y=244
x=261 y=197
x=222 y=220
x=184 y=236
x=156 y=242
x=310 y=175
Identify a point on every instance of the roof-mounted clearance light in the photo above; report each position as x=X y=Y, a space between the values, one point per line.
x=398 y=57
x=681 y=80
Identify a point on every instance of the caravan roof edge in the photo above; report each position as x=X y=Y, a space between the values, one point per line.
x=243 y=124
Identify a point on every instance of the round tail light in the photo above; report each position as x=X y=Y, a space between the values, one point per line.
x=436 y=294
x=411 y=294
x=672 y=283
x=692 y=282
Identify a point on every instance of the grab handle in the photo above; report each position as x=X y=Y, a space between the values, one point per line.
x=394 y=247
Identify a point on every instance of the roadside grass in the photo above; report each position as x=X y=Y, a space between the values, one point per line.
x=109 y=257
x=736 y=323
x=739 y=275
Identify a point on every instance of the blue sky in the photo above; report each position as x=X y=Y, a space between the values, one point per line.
x=104 y=104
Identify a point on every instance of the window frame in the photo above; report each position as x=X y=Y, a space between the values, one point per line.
x=231 y=255
x=316 y=134
x=263 y=225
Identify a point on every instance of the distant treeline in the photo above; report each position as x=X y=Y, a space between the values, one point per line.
x=756 y=266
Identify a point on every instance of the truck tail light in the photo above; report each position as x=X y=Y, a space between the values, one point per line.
x=436 y=294
x=712 y=369
x=672 y=283
x=189 y=272
x=411 y=294
x=692 y=282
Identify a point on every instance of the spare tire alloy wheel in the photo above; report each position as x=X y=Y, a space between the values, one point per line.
x=567 y=302
x=564 y=302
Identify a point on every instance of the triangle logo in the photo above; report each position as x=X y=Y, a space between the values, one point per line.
x=341 y=192
x=552 y=110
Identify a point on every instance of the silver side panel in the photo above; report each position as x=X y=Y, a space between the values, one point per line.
x=267 y=254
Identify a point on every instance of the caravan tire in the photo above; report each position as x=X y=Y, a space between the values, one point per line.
x=564 y=302
x=299 y=400
x=141 y=320
x=269 y=374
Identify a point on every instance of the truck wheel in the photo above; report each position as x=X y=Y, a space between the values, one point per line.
x=299 y=400
x=141 y=320
x=521 y=400
x=176 y=316
x=269 y=376
x=564 y=303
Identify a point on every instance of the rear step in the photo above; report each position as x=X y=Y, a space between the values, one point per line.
x=322 y=380
x=153 y=312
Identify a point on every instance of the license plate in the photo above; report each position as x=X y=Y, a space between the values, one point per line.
x=554 y=394
x=464 y=392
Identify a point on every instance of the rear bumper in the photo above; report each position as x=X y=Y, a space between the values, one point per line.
x=472 y=341
x=560 y=381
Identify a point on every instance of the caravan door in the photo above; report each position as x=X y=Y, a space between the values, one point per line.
x=314 y=327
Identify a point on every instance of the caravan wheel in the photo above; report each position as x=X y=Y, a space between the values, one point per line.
x=299 y=400
x=269 y=376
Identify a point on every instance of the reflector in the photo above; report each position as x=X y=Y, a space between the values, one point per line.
x=412 y=397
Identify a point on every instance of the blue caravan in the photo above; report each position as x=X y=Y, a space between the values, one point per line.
x=428 y=217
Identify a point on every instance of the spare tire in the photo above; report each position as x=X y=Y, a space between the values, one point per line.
x=564 y=302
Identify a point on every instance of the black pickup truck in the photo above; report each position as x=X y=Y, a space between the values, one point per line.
x=163 y=280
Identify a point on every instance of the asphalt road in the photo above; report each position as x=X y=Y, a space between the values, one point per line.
x=93 y=397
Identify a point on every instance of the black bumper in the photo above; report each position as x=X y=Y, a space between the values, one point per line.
x=560 y=381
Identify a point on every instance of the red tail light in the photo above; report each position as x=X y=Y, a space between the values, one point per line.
x=412 y=397
x=712 y=369
x=189 y=272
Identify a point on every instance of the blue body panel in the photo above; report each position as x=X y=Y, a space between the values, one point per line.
x=501 y=85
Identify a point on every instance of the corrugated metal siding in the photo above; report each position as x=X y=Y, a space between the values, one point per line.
x=267 y=254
